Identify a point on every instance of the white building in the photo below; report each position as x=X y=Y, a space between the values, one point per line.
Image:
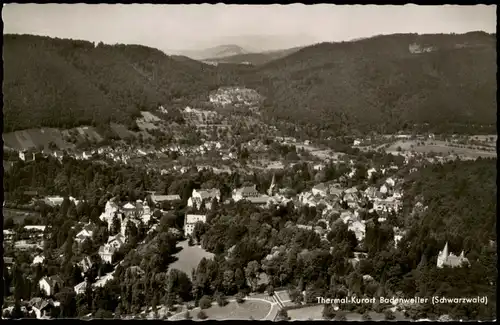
x=106 y=253
x=81 y=287
x=244 y=193
x=38 y=259
x=83 y=235
x=320 y=189
x=116 y=241
x=49 y=284
x=207 y=195
x=191 y=220
x=54 y=200
x=109 y=212
x=445 y=258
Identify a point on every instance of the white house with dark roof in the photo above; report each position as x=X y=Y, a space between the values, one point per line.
x=207 y=195
x=54 y=200
x=85 y=263
x=158 y=199
x=320 y=189
x=38 y=259
x=116 y=241
x=129 y=209
x=245 y=192
x=106 y=253
x=191 y=220
x=49 y=284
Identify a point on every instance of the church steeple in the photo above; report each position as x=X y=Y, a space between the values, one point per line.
x=272 y=187
x=445 y=250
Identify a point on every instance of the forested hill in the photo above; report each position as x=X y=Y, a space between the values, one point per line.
x=66 y=83
x=386 y=81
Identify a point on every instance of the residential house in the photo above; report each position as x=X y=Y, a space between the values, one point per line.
x=388 y=204
x=49 y=285
x=129 y=210
x=359 y=229
x=27 y=155
x=38 y=259
x=370 y=172
x=54 y=200
x=85 y=263
x=190 y=221
x=245 y=193
x=198 y=196
x=8 y=234
x=320 y=189
x=110 y=210
x=101 y=281
x=116 y=241
x=106 y=253
x=391 y=182
x=85 y=233
x=445 y=258
x=81 y=287
x=319 y=167
x=159 y=199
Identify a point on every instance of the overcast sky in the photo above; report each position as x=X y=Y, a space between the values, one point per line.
x=199 y=26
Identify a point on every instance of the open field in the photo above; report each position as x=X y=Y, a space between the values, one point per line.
x=34 y=138
x=439 y=147
x=315 y=313
x=189 y=257
x=19 y=215
x=256 y=309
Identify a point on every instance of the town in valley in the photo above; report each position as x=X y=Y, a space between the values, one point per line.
x=205 y=202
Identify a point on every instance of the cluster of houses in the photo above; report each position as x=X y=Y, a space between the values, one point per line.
x=236 y=96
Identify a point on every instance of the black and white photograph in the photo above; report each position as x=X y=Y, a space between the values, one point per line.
x=228 y=162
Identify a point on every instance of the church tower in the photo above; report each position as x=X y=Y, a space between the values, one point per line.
x=443 y=256
x=272 y=187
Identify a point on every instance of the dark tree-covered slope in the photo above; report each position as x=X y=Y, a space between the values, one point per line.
x=379 y=82
x=65 y=83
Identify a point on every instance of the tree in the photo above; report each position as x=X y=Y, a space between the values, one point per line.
x=205 y=302
x=202 y=315
x=282 y=315
x=252 y=273
x=389 y=315
x=190 y=241
x=328 y=312
x=270 y=290
x=221 y=300
x=240 y=297
x=187 y=315
x=8 y=223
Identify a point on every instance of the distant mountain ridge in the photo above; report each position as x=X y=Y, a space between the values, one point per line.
x=217 y=52
x=255 y=58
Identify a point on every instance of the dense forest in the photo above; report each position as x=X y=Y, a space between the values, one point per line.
x=66 y=83
x=374 y=84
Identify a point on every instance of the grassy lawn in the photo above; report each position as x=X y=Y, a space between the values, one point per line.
x=315 y=313
x=439 y=147
x=249 y=308
x=189 y=257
